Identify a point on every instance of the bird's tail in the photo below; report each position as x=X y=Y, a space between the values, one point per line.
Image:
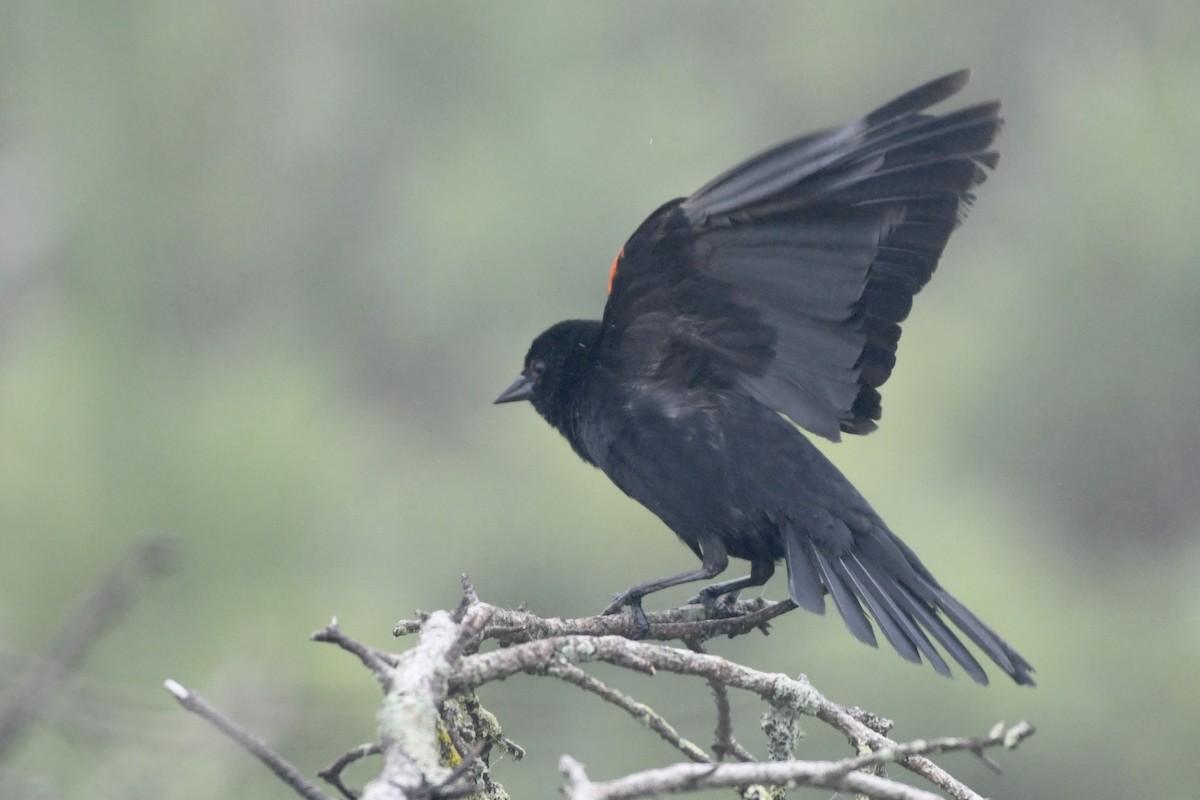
x=877 y=574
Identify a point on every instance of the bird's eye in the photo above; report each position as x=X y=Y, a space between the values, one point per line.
x=538 y=368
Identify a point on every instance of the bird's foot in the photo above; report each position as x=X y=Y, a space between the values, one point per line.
x=619 y=601
x=641 y=625
x=719 y=607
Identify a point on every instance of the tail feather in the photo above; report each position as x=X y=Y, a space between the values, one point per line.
x=877 y=575
x=844 y=598
x=996 y=648
x=928 y=617
x=875 y=587
x=896 y=630
x=804 y=584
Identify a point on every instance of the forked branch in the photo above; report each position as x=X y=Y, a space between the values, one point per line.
x=436 y=739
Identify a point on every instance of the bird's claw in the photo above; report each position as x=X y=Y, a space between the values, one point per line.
x=705 y=598
x=641 y=625
x=619 y=601
x=719 y=607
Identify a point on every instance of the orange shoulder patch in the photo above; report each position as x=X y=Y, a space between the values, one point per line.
x=612 y=273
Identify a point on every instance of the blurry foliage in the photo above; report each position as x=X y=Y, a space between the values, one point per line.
x=263 y=267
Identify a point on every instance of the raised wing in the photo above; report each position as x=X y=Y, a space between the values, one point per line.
x=788 y=275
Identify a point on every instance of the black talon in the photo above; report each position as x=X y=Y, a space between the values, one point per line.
x=720 y=608
x=707 y=599
x=641 y=625
x=619 y=601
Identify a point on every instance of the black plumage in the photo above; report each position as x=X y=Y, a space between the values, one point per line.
x=776 y=290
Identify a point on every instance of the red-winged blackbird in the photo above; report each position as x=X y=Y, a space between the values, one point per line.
x=777 y=289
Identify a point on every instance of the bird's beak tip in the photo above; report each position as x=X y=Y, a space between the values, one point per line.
x=521 y=389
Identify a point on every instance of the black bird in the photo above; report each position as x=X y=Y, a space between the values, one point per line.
x=777 y=289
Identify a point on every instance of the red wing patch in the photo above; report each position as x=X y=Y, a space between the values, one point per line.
x=612 y=273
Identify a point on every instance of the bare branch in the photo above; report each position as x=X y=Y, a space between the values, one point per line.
x=648 y=658
x=639 y=711
x=723 y=742
x=435 y=734
x=693 y=621
x=378 y=662
x=90 y=618
x=697 y=777
x=777 y=689
x=999 y=736
x=333 y=773
x=863 y=737
x=249 y=742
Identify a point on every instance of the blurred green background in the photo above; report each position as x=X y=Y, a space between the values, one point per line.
x=264 y=266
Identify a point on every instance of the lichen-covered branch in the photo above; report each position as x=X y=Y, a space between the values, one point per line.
x=698 y=777
x=435 y=736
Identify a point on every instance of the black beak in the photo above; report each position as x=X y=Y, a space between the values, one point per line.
x=521 y=389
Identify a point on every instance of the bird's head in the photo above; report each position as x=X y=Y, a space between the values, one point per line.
x=554 y=367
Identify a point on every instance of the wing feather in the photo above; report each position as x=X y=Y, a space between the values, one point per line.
x=787 y=276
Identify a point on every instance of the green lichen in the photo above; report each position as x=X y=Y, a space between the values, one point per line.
x=413 y=724
x=797 y=695
x=577 y=653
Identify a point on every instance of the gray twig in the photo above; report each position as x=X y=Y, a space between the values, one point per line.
x=249 y=742
x=723 y=742
x=842 y=776
x=333 y=773
x=93 y=615
x=378 y=662
x=696 y=777
x=693 y=621
x=639 y=711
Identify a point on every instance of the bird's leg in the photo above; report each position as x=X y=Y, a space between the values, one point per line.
x=710 y=596
x=633 y=595
x=714 y=564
